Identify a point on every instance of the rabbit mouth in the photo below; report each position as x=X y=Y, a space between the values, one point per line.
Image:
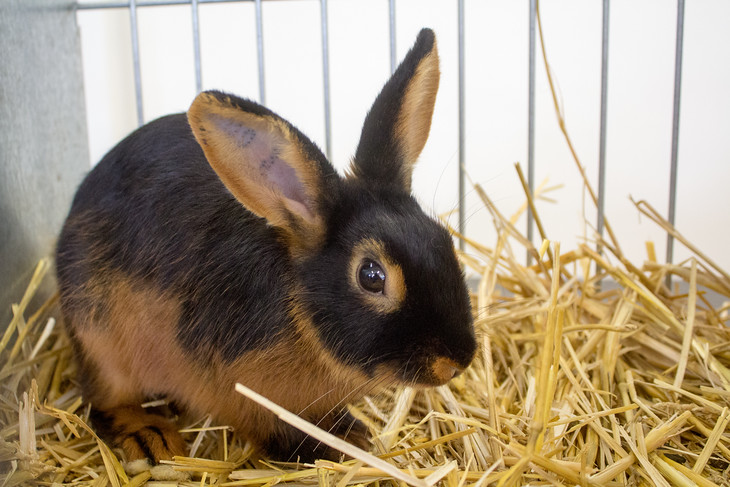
x=435 y=372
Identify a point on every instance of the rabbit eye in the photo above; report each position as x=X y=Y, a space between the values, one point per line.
x=371 y=276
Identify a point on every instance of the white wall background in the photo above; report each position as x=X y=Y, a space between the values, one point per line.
x=641 y=63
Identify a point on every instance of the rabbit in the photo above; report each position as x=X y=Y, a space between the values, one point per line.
x=220 y=246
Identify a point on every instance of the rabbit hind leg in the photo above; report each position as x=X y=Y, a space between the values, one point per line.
x=114 y=383
x=141 y=435
x=118 y=417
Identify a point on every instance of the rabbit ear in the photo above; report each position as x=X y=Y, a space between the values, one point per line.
x=397 y=126
x=273 y=170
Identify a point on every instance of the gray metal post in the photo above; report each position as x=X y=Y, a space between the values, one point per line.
x=260 y=52
x=675 y=131
x=602 y=137
x=391 y=17
x=531 y=121
x=462 y=203
x=196 y=46
x=136 y=61
x=326 y=77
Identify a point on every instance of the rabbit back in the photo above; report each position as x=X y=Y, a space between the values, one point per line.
x=153 y=210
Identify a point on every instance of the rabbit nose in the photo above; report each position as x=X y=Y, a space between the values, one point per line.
x=445 y=369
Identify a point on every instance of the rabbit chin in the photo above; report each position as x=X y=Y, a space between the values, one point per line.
x=430 y=373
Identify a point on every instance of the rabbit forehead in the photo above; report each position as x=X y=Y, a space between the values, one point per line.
x=409 y=237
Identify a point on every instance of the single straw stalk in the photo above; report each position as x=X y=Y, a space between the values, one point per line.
x=712 y=441
x=329 y=439
x=648 y=210
x=689 y=327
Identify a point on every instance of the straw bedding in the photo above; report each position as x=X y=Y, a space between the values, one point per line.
x=591 y=372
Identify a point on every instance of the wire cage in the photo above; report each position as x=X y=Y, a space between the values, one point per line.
x=573 y=383
x=468 y=83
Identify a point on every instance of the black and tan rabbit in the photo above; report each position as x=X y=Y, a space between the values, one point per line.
x=221 y=246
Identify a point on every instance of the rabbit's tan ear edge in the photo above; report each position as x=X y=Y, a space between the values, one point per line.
x=413 y=124
x=398 y=124
x=262 y=163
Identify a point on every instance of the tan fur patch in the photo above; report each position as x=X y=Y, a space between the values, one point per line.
x=444 y=369
x=134 y=346
x=395 y=286
x=140 y=433
x=414 y=118
x=136 y=355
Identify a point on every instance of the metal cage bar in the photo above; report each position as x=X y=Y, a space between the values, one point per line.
x=196 y=46
x=531 y=120
x=391 y=21
x=602 y=135
x=136 y=61
x=146 y=3
x=675 y=131
x=462 y=202
x=260 y=51
x=326 y=80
